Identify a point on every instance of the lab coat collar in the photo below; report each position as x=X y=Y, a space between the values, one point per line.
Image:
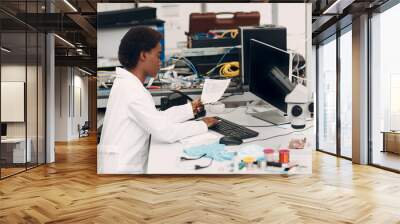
x=123 y=73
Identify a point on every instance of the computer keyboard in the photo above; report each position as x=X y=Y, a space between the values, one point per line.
x=228 y=128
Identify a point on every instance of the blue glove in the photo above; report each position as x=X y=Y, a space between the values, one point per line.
x=214 y=151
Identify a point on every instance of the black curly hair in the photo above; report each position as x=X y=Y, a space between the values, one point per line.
x=136 y=40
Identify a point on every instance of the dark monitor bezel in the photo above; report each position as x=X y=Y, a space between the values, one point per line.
x=282 y=105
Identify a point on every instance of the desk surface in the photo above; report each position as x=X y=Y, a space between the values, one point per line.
x=164 y=158
x=13 y=140
x=390 y=132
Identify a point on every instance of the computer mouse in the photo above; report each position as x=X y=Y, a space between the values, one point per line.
x=230 y=140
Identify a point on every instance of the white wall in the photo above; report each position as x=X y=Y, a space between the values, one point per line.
x=61 y=103
x=263 y=8
x=68 y=82
x=33 y=126
x=80 y=84
x=102 y=7
x=15 y=72
x=108 y=41
x=12 y=101
x=293 y=16
x=176 y=17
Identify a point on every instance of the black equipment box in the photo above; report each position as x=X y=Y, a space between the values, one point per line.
x=205 y=22
x=126 y=17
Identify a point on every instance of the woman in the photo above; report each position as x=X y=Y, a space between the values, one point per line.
x=131 y=115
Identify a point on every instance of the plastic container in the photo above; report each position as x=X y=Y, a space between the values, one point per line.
x=269 y=154
x=284 y=156
x=248 y=160
x=261 y=164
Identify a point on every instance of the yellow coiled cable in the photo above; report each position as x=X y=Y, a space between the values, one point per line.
x=229 y=69
x=233 y=33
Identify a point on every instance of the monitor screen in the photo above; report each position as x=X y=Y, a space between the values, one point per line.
x=3 y=129
x=269 y=71
x=269 y=34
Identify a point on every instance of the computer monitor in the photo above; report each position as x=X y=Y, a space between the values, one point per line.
x=270 y=34
x=269 y=74
x=3 y=129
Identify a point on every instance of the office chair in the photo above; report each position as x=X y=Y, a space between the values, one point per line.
x=84 y=130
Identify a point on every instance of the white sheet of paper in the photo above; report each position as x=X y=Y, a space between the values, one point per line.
x=213 y=90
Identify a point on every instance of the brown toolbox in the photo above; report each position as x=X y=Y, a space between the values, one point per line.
x=204 y=22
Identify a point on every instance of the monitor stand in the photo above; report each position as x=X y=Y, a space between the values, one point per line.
x=272 y=116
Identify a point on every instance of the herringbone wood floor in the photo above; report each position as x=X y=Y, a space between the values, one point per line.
x=70 y=191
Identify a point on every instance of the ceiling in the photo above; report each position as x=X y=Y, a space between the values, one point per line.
x=331 y=15
x=76 y=25
x=76 y=21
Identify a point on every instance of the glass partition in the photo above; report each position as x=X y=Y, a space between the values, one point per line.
x=22 y=78
x=327 y=96
x=346 y=93
x=14 y=144
x=385 y=89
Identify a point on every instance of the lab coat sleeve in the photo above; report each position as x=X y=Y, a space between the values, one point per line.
x=180 y=113
x=158 y=123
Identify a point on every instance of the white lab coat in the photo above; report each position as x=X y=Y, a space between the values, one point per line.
x=130 y=119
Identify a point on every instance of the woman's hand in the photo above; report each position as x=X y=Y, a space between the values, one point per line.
x=197 y=106
x=210 y=121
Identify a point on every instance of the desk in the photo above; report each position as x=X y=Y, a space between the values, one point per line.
x=164 y=158
x=16 y=148
x=391 y=141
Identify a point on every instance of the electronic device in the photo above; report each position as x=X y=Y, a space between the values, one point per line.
x=115 y=18
x=230 y=140
x=270 y=34
x=3 y=130
x=178 y=98
x=311 y=109
x=210 y=23
x=298 y=106
x=206 y=51
x=231 y=129
x=269 y=79
x=122 y=20
x=204 y=63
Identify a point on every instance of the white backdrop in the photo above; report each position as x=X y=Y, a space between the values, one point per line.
x=12 y=101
